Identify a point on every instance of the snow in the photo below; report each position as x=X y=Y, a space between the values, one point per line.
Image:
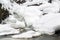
x=28 y=34
x=18 y=25
x=47 y=7
x=51 y=8
x=48 y=23
x=31 y=17
x=34 y=2
x=6 y=30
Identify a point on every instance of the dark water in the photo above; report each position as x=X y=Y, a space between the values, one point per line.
x=45 y=37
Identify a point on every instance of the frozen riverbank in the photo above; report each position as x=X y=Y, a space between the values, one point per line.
x=45 y=37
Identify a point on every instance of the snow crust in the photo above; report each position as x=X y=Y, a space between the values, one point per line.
x=30 y=19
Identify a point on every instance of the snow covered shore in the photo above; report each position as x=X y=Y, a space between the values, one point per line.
x=32 y=20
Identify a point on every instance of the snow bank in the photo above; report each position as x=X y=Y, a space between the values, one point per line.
x=24 y=16
x=6 y=30
x=28 y=34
